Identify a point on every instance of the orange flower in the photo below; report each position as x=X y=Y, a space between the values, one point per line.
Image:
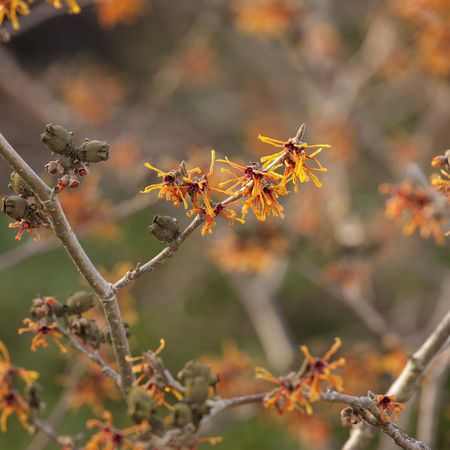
x=388 y=407
x=199 y=189
x=288 y=396
x=12 y=403
x=110 y=438
x=319 y=371
x=10 y=9
x=8 y=371
x=296 y=160
x=265 y=203
x=418 y=205
x=172 y=187
x=41 y=331
x=25 y=225
x=218 y=210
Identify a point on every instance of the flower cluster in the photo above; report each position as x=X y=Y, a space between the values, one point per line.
x=10 y=9
x=11 y=400
x=255 y=187
x=427 y=208
x=298 y=390
x=46 y=310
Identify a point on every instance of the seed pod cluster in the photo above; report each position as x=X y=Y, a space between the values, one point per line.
x=73 y=160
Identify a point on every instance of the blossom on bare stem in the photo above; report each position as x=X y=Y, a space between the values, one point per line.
x=41 y=330
x=388 y=407
x=297 y=160
x=319 y=370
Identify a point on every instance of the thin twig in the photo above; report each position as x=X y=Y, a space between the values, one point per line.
x=93 y=356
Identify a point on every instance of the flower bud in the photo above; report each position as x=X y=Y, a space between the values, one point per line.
x=140 y=405
x=197 y=379
x=182 y=415
x=63 y=182
x=50 y=167
x=15 y=207
x=46 y=307
x=73 y=181
x=57 y=139
x=80 y=302
x=94 y=151
x=164 y=228
x=18 y=185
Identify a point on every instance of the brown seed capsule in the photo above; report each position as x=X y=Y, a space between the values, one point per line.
x=93 y=151
x=80 y=302
x=57 y=139
x=182 y=415
x=164 y=228
x=18 y=185
x=140 y=406
x=15 y=207
x=349 y=418
x=46 y=307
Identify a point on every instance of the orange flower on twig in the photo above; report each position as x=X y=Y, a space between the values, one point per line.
x=41 y=331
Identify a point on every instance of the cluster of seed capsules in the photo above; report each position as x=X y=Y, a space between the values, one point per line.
x=46 y=310
x=72 y=162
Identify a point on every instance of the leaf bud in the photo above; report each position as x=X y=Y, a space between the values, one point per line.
x=73 y=181
x=46 y=307
x=15 y=207
x=80 y=302
x=164 y=228
x=18 y=185
x=63 y=182
x=57 y=139
x=182 y=415
x=93 y=151
x=197 y=379
x=141 y=407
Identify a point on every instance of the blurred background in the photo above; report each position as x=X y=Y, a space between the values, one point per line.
x=165 y=81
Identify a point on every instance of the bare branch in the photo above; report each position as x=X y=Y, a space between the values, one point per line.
x=408 y=381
